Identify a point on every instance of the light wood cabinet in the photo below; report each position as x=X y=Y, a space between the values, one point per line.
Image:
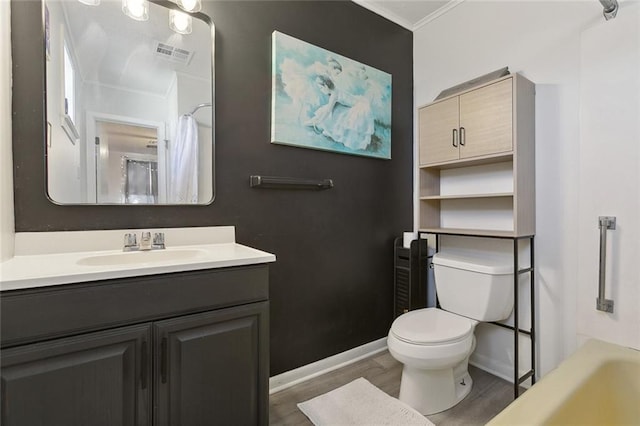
x=473 y=124
x=476 y=166
x=438 y=131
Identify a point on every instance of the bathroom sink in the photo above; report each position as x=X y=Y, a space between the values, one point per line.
x=143 y=257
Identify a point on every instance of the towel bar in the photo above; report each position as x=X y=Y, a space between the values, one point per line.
x=289 y=183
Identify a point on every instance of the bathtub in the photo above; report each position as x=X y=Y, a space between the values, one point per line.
x=597 y=385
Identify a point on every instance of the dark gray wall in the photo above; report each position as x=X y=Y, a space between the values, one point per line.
x=331 y=287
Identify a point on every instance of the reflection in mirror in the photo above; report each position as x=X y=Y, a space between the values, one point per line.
x=129 y=104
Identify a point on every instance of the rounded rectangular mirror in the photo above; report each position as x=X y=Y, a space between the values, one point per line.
x=129 y=94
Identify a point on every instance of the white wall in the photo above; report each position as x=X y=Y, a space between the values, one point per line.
x=554 y=44
x=7 y=228
x=610 y=176
x=63 y=156
x=116 y=101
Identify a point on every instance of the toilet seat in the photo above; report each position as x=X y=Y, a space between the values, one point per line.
x=432 y=326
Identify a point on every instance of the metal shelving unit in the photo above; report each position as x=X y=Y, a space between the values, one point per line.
x=517 y=379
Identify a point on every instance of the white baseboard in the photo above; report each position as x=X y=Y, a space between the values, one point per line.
x=309 y=371
x=498 y=369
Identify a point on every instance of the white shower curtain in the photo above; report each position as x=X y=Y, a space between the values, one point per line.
x=184 y=162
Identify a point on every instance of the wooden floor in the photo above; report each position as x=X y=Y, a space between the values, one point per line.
x=488 y=396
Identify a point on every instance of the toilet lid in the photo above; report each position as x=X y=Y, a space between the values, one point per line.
x=431 y=325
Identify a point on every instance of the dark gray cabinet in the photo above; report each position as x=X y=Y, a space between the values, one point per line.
x=192 y=390
x=98 y=379
x=174 y=349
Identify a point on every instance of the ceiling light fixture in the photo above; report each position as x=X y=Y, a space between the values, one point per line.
x=179 y=22
x=190 y=5
x=136 y=9
x=90 y=2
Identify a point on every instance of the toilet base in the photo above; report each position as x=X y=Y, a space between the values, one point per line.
x=433 y=391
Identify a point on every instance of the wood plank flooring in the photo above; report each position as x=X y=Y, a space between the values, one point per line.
x=488 y=396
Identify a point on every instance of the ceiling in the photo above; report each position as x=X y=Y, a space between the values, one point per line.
x=113 y=50
x=410 y=14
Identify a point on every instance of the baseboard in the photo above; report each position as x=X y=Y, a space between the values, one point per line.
x=309 y=371
x=498 y=369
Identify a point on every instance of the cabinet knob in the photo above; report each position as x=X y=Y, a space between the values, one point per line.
x=454 y=138
x=462 y=136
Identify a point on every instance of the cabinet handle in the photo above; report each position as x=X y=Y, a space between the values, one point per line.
x=163 y=360
x=143 y=365
x=454 y=138
x=462 y=136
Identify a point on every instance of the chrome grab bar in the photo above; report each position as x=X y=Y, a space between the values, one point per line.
x=605 y=223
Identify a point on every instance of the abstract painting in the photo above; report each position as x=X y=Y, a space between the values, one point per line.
x=322 y=100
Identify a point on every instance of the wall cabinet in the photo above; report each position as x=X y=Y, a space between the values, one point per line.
x=476 y=165
x=196 y=359
x=475 y=123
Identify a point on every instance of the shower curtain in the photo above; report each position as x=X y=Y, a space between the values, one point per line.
x=183 y=154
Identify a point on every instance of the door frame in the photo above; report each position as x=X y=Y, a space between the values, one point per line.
x=92 y=168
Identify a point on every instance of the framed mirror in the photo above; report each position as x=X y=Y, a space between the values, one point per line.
x=129 y=103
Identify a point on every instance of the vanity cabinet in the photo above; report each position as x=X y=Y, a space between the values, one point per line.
x=476 y=166
x=188 y=348
x=209 y=367
x=98 y=379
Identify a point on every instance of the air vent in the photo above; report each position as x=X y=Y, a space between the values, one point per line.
x=172 y=53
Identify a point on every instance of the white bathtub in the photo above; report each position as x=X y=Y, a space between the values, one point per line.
x=598 y=385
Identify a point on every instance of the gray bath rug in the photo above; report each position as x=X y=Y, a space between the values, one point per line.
x=360 y=403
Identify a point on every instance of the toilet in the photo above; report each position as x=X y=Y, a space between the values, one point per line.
x=434 y=344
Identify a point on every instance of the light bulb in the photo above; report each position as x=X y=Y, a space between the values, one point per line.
x=190 y=5
x=136 y=9
x=179 y=22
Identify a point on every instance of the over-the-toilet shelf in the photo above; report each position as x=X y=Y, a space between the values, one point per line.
x=476 y=166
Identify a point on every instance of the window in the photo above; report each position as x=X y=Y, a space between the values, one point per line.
x=69 y=85
x=69 y=96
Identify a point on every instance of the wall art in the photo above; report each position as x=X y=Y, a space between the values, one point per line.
x=322 y=100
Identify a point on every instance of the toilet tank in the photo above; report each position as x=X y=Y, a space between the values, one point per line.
x=474 y=285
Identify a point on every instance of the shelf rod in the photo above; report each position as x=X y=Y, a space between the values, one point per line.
x=525 y=376
x=274 y=182
x=527 y=332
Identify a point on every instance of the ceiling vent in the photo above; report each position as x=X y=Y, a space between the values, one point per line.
x=172 y=53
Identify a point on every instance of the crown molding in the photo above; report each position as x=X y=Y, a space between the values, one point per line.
x=436 y=14
x=385 y=13
x=375 y=8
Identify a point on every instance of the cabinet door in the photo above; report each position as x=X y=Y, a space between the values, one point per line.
x=486 y=120
x=438 y=132
x=97 y=379
x=212 y=368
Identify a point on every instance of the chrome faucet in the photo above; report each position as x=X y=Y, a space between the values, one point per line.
x=145 y=241
x=130 y=243
x=158 y=241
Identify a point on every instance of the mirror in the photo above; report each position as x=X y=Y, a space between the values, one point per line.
x=129 y=104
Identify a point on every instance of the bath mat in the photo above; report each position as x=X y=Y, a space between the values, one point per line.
x=360 y=403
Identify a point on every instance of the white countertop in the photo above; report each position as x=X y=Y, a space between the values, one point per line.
x=52 y=258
